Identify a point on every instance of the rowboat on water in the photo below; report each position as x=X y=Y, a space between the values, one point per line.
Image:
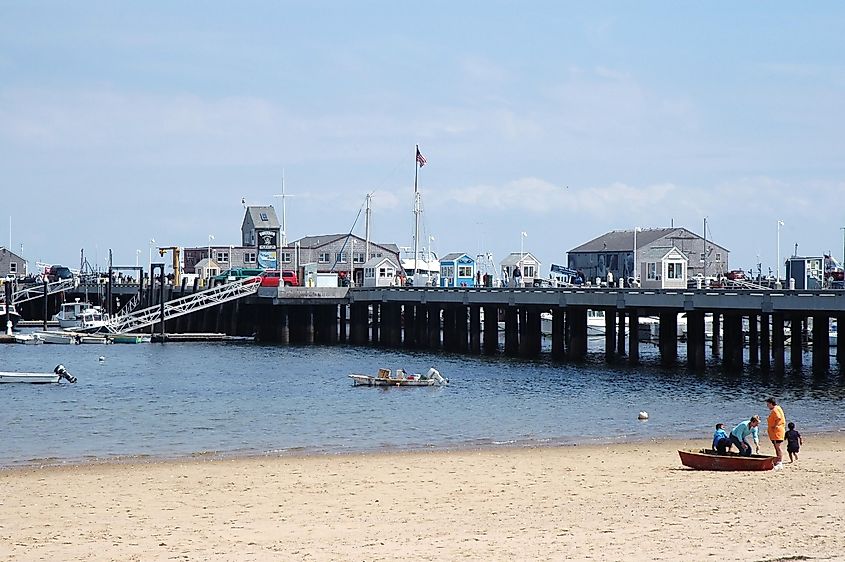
x=708 y=459
x=386 y=378
x=57 y=375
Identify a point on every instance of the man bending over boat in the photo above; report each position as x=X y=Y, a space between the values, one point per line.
x=740 y=433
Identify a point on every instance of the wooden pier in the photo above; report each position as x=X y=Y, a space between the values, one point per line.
x=748 y=326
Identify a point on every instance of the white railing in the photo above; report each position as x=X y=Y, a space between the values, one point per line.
x=184 y=305
x=35 y=291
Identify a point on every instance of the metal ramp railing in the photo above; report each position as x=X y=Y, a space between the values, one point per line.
x=181 y=306
x=36 y=291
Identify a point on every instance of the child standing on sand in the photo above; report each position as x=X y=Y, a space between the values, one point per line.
x=793 y=442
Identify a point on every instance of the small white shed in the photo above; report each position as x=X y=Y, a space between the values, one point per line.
x=380 y=272
x=663 y=268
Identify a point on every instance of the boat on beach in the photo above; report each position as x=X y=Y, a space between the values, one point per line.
x=708 y=459
x=385 y=378
x=57 y=375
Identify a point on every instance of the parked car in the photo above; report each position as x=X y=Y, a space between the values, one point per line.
x=235 y=274
x=274 y=278
x=736 y=275
x=58 y=273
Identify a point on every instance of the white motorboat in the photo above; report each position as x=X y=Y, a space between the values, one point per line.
x=57 y=375
x=595 y=323
x=385 y=378
x=81 y=317
x=65 y=338
x=28 y=339
x=13 y=315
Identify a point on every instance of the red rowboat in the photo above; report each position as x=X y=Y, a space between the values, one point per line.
x=708 y=459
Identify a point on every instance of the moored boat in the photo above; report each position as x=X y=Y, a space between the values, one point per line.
x=57 y=375
x=130 y=338
x=13 y=315
x=28 y=339
x=386 y=378
x=708 y=459
x=65 y=338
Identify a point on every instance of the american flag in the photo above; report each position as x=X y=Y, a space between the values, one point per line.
x=420 y=158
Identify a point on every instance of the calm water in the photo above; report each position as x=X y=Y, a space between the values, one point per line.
x=181 y=399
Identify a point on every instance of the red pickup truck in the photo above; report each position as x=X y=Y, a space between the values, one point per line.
x=274 y=278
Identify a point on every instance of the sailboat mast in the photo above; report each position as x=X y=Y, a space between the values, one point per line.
x=284 y=213
x=416 y=215
x=367 y=230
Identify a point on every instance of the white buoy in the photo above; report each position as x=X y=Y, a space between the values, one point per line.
x=642 y=415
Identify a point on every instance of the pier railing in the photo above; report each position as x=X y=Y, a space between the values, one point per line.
x=184 y=305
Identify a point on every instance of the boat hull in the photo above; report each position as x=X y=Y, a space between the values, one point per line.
x=32 y=378
x=707 y=459
x=367 y=380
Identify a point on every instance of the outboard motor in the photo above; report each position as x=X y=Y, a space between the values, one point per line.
x=63 y=374
x=435 y=374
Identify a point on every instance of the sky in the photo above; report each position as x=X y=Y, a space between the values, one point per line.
x=125 y=122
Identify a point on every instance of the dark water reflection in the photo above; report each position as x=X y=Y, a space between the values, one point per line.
x=182 y=399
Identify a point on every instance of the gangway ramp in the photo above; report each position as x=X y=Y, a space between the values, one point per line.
x=185 y=305
x=37 y=291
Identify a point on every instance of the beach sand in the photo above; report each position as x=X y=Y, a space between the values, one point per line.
x=611 y=502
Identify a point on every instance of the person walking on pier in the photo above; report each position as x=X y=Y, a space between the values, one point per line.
x=777 y=428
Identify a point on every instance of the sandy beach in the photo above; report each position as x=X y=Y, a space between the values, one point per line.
x=613 y=502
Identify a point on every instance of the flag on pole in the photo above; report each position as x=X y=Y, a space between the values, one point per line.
x=420 y=158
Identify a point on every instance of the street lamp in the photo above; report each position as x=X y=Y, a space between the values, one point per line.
x=522 y=236
x=777 y=268
x=635 y=273
x=137 y=254
x=210 y=238
x=150 y=263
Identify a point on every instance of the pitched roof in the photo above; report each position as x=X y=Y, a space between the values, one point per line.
x=623 y=240
x=5 y=249
x=375 y=262
x=455 y=256
x=313 y=242
x=257 y=214
x=515 y=257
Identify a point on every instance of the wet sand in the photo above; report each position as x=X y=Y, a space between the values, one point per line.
x=623 y=501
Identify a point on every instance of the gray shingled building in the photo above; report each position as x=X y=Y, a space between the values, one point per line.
x=614 y=252
x=11 y=264
x=333 y=252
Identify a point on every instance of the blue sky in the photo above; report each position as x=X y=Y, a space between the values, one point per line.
x=123 y=122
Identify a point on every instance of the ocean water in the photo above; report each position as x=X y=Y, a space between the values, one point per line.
x=183 y=399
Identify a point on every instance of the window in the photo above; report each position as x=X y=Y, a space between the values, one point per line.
x=13 y=267
x=528 y=271
x=286 y=257
x=249 y=257
x=341 y=257
x=651 y=271
x=702 y=257
x=382 y=272
x=718 y=257
x=222 y=257
x=325 y=257
x=464 y=271
x=369 y=272
x=358 y=257
x=263 y=216
x=676 y=271
x=447 y=271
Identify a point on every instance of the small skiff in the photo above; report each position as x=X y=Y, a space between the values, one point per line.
x=57 y=375
x=708 y=459
x=386 y=378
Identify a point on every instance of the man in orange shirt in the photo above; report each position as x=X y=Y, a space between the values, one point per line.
x=777 y=428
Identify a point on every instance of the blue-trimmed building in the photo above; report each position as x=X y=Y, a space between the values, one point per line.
x=457 y=270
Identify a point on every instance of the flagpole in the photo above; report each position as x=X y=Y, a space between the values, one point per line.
x=416 y=216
